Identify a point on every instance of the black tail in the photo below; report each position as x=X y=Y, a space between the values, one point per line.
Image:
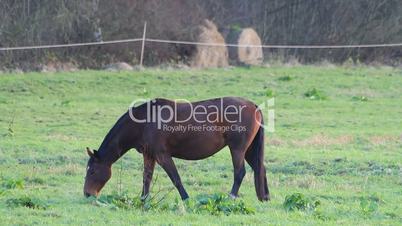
x=255 y=158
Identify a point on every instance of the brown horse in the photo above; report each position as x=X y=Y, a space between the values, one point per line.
x=161 y=129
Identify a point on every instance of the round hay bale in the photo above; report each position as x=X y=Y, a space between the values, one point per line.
x=245 y=55
x=210 y=56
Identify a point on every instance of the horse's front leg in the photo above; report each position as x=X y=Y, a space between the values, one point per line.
x=149 y=166
x=168 y=165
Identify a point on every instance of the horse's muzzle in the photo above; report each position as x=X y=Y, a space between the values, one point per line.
x=87 y=194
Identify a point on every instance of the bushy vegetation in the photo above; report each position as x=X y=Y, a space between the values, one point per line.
x=27 y=201
x=298 y=201
x=10 y=183
x=123 y=201
x=360 y=98
x=215 y=204
x=277 y=22
x=285 y=78
x=315 y=94
x=370 y=204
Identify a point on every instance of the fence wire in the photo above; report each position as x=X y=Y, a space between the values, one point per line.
x=151 y=40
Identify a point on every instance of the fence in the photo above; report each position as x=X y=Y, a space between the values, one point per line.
x=144 y=39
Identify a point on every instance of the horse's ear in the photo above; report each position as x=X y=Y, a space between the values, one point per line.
x=90 y=153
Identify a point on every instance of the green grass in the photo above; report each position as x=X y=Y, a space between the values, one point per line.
x=343 y=151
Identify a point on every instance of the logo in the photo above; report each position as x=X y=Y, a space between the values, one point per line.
x=197 y=118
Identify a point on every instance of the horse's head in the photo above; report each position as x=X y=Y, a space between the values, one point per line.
x=98 y=173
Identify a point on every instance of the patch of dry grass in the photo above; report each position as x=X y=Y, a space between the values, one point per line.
x=324 y=140
x=382 y=140
x=60 y=137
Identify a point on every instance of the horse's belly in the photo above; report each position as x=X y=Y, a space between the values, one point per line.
x=196 y=149
x=195 y=154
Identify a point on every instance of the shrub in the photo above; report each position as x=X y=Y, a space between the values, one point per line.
x=315 y=94
x=285 y=78
x=269 y=93
x=122 y=201
x=298 y=201
x=360 y=98
x=369 y=205
x=217 y=204
x=2 y=191
x=26 y=201
x=10 y=183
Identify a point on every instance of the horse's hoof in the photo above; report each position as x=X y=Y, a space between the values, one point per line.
x=185 y=197
x=264 y=199
x=144 y=197
x=232 y=196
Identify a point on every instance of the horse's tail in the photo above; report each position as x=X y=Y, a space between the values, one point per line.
x=255 y=157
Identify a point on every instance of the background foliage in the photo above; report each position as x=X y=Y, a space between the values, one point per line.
x=32 y=22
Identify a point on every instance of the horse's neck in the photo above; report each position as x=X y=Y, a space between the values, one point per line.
x=118 y=141
x=109 y=153
x=113 y=149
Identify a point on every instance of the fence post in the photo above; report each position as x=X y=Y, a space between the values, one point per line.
x=143 y=45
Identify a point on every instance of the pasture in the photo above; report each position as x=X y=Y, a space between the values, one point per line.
x=337 y=140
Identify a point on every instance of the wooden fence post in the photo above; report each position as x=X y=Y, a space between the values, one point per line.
x=143 y=45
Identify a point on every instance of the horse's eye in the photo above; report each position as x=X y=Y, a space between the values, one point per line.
x=92 y=173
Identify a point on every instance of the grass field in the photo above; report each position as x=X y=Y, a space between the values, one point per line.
x=344 y=150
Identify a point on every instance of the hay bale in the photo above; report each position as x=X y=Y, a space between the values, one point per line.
x=210 y=56
x=245 y=55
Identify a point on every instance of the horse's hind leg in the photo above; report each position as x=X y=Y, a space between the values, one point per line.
x=238 y=169
x=259 y=172
x=168 y=165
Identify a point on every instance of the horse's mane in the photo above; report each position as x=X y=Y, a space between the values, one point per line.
x=117 y=127
x=112 y=133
